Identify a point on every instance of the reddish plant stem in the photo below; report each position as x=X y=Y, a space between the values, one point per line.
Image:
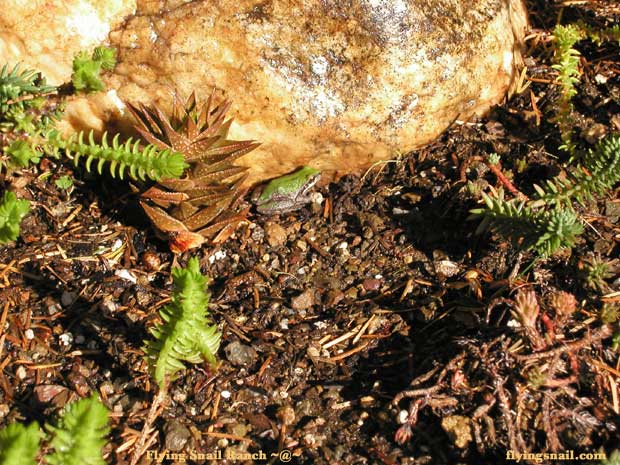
x=501 y=177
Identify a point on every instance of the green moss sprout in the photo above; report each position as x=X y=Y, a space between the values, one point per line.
x=77 y=439
x=87 y=69
x=12 y=211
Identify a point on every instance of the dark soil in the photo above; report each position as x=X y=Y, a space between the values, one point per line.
x=374 y=329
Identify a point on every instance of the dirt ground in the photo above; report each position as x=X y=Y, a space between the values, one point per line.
x=372 y=329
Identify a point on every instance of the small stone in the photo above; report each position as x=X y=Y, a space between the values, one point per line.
x=151 y=261
x=68 y=298
x=106 y=388
x=303 y=301
x=53 y=308
x=126 y=275
x=66 y=339
x=177 y=436
x=276 y=234
x=44 y=393
x=107 y=304
x=20 y=372
x=239 y=354
x=446 y=268
x=334 y=297
x=371 y=284
x=29 y=333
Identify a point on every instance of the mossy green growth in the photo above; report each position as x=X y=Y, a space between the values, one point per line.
x=87 y=69
x=77 y=439
x=80 y=434
x=20 y=154
x=12 y=211
x=19 y=444
x=185 y=335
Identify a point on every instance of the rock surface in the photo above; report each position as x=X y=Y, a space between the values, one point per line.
x=45 y=35
x=333 y=84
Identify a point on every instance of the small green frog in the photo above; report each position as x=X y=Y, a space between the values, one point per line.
x=287 y=193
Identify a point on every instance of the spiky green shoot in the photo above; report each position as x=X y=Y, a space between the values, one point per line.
x=19 y=444
x=19 y=87
x=80 y=434
x=544 y=232
x=141 y=162
x=185 y=335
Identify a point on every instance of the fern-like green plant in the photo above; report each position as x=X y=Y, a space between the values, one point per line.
x=598 y=172
x=141 y=162
x=87 y=69
x=80 y=434
x=19 y=444
x=566 y=63
x=542 y=231
x=548 y=222
x=185 y=335
x=12 y=211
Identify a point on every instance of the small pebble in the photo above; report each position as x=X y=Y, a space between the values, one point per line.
x=276 y=234
x=151 y=261
x=29 y=333
x=371 y=284
x=303 y=301
x=68 y=298
x=177 y=436
x=218 y=255
x=240 y=354
x=20 y=372
x=66 y=339
x=54 y=308
x=126 y=275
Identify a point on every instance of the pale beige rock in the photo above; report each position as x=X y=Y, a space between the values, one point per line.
x=328 y=83
x=45 y=35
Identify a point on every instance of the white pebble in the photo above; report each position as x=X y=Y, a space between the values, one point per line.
x=66 y=339
x=219 y=255
x=29 y=333
x=225 y=394
x=125 y=274
x=20 y=372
